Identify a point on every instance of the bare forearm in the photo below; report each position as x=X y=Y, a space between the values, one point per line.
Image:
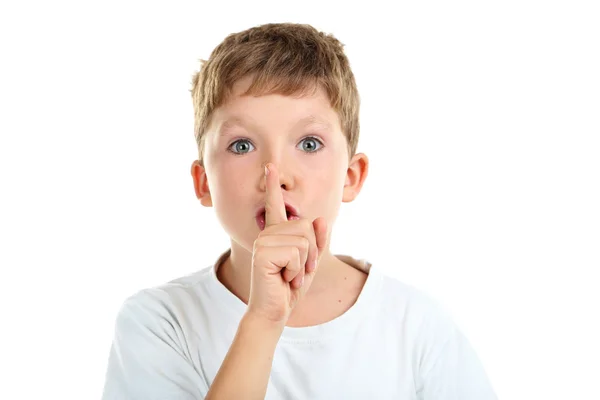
x=247 y=366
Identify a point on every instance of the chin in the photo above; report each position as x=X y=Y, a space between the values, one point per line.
x=243 y=238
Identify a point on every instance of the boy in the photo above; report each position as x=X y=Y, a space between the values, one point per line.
x=278 y=316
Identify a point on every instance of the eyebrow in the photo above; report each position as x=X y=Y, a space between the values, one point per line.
x=302 y=122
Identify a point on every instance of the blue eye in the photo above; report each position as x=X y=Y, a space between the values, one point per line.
x=311 y=144
x=240 y=146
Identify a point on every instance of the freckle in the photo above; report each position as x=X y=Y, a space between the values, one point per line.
x=339 y=301
x=345 y=278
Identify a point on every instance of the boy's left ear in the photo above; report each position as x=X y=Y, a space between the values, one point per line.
x=358 y=169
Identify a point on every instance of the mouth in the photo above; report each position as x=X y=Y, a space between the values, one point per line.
x=290 y=212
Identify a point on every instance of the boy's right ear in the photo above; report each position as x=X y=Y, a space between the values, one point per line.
x=201 y=184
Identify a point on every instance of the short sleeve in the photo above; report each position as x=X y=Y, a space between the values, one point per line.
x=149 y=358
x=456 y=373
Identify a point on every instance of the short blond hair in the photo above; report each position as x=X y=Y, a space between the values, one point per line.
x=282 y=58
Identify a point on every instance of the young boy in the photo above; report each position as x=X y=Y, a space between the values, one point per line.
x=278 y=316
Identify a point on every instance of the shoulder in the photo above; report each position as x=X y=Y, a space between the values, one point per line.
x=170 y=301
x=425 y=324
x=443 y=360
x=406 y=303
x=153 y=352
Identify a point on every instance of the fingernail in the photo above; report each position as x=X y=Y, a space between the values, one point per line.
x=302 y=282
x=266 y=170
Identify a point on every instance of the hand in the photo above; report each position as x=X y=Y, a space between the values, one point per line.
x=285 y=257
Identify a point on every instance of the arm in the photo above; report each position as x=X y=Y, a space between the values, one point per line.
x=246 y=368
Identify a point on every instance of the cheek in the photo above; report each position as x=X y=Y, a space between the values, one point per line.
x=331 y=170
x=329 y=184
x=227 y=183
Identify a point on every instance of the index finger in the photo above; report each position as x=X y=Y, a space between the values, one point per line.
x=274 y=206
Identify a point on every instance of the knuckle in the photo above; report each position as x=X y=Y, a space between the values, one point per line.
x=295 y=253
x=304 y=244
x=294 y=250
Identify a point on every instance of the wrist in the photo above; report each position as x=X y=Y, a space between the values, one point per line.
x=256 y=321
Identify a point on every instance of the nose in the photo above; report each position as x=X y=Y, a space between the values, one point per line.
x=285 y=181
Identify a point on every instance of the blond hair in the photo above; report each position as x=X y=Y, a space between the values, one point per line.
x=282 y=58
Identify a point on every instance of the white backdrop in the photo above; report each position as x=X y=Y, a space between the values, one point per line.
x=481 y=121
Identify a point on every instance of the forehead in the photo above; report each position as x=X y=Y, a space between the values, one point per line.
x=310 y=108
x=228 y=121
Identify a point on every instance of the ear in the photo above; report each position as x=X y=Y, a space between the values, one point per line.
x=357 y=172
x=201 y=184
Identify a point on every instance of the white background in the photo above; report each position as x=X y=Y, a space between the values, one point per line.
x=481 y=121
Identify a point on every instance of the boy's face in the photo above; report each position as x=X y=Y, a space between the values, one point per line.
x=300 y=135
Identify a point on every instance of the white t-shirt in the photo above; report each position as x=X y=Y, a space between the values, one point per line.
x=395 y=342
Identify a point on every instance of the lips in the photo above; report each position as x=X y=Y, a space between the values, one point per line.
x=291 y=212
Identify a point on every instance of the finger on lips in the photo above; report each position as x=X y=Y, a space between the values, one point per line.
x=274 y=206
x=275 y=213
